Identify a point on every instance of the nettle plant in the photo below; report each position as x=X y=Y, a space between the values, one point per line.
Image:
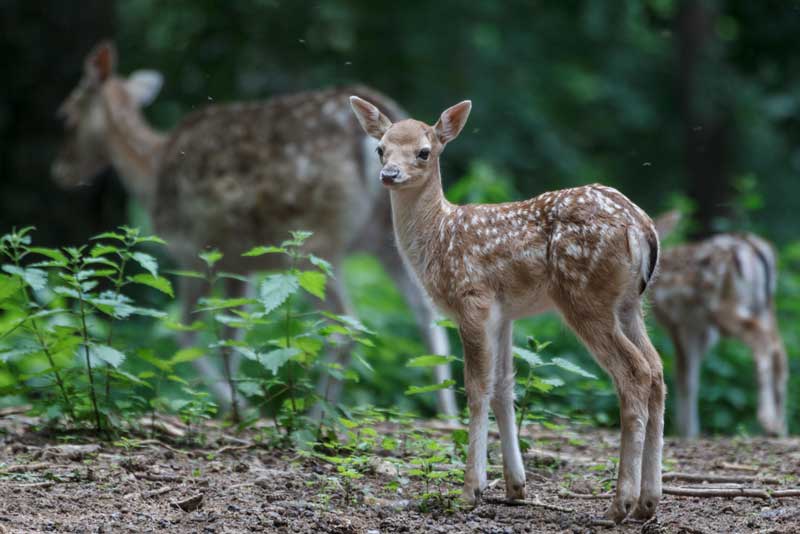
x=287 y=362
x=531 y=386
x=60 y=308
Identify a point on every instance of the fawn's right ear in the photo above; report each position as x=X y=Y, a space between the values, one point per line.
x=101 y=62
x=667 y=222
x=371 y=119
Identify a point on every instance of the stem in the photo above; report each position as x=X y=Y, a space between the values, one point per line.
x=117 y=290
x=85 y=331
x=289 y=377
x=225 y=353
x=524 y=404
x=45 y=348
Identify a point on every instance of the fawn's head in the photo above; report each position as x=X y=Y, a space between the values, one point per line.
x=409 y=149
x=84 y=152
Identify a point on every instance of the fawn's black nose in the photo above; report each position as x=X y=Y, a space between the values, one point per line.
x=389 y=175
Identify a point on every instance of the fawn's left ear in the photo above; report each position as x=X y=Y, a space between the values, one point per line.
x=452 y=121
x=371 y=119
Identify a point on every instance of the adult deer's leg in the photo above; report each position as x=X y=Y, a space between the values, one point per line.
x=191 y=289
x=230 y=360
x=435 y=336
x=329 y=388
x=478 y=328
x=634 y=328
x=633 y=380
x=503 y=407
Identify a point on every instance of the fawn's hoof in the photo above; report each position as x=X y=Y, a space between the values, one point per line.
x=515 y=491
x=620 y=509
x=471 y=496
x=645 y=509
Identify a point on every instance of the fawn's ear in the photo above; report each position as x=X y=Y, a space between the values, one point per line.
x=101 y=61
x=371 y=119
x=452 y=121
x=667 y=222
x=144 y=86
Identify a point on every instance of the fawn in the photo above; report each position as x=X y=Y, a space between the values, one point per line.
x=724 y=284
x=237 y=175
x=589 y=252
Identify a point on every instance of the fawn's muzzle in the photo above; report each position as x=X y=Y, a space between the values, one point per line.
x=389 y=175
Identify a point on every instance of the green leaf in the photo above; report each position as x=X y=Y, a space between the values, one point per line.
x=156 y=282
x=150 y=239
x=313 y=282
x=187 y=355
x=414 y=390
x=260 y=251
x=102 y=250
x=272 y=360
x=430 y=360
x=210 y=304
x=147 y=262
x=188 y=274
x=297 y=240
x=35 y=278
x=51 y=253
x=276 y=289
x=571 y=367
x=447 y=323
x=350 y=322
x=110 y=235
x=531 y=358
x=104 y=353
x=321 y=264
x=211 y=257
x=8 y=286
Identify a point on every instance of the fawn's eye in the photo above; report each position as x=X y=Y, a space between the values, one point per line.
x=379 y=150
x=424 y=153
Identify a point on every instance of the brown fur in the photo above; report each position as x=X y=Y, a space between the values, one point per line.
x=587 y=252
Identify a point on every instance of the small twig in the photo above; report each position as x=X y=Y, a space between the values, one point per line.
x=25 y=468
x=150 y=494
x=14 y=410
x=689 y=477
x=233 y=448
x=785 y=493
x=162 y=444
x=571 y=495
x=158 y=478
x=715 y=492
x=539 y=504
x=36 y=485
x=739 y=467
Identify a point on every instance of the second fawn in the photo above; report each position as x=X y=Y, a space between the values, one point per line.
x=721 y=285
x=588 y=252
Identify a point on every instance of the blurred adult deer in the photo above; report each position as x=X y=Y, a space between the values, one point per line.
x=589 y=252
x=238 y=175
x=725 y=284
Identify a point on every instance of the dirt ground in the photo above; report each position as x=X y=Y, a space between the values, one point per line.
x=49 y=484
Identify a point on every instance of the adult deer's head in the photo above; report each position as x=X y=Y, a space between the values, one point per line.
x=84 y=151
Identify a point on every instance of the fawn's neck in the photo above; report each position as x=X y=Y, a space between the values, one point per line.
x=134 y=147
x=417 y=214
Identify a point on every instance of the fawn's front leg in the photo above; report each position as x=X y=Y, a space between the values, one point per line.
x=503 y=407
x=477 y=336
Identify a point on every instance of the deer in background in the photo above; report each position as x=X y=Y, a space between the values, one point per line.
x=235 y=176
x=588 y=252
x=725 y=284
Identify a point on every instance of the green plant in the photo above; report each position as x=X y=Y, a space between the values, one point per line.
x=532 y=384
x=60 y=314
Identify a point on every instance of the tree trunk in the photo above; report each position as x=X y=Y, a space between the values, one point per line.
x=44 y=43
x=706 y=115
